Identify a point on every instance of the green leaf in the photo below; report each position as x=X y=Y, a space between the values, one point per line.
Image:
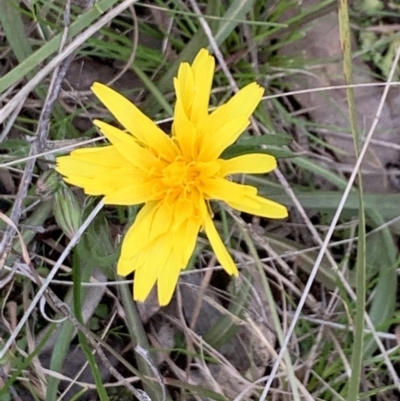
x=383 y=304
x=268 y=140
x=10 y=18
x=237 y=11
x=239 y=150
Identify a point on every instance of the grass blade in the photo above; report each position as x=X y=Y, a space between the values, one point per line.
x=77 y=303
x=358 y=343
x=53 y=45
x=236 y=11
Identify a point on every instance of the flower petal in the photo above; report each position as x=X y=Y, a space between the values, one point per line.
x=222 y=189
x=129 y=148
x=184 y=131
x=184 y=242
x=133 y=120
x=77 y=180
x=184 y=209
x=160 y=253
x=214 y=144
x=146 y=276
x=71 y=166
x=254 y=163
x=132 y=195
x=82 y=165
x=184 y=89
x=114 y=180
x=145 y=279
x=219 y=248
x=203 y=71
x=125 y=266
x=153 y=220
x=167 y=281
x=191 y=232
x=242 y=104
x=259 y=206
x=103 y=156
x=193 y=86
x=143 y=282
x=131 y=244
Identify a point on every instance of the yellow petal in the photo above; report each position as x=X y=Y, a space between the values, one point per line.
x=219 y=248
x=210 y=124
x=114 y=180
x=244 y=102
x=144 y=281
x=183 y=245
x=153 y=220
x=193 y=86
x=131 y=248
x=71 y=166
x=203 y=71
x=162 y=220
x=134 y=121
x=190 y=239
x=155 y=250
x=125 y=266
x=135 y=239
x=184 y=88
x=157 y=258
x=77 y=180
x=184 y=240
x=248 y=164
x=184 y=131
x=166 y=284
x=183 y=211
x=241 y=105
x=104 y=156
x=138 y=248
x=214 y=144
x=82 y=165
x=222 y=189
x=132 y=195
x=128 y=147
x=168 y=279
x=259 y=206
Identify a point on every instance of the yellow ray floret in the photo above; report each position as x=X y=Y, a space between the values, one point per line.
x=175 y=177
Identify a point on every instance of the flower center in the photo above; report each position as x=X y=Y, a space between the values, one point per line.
x=180 y=174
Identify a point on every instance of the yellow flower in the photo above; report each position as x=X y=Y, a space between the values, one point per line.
x=174 y=176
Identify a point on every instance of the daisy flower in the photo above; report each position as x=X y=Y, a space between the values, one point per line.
x=175 y=176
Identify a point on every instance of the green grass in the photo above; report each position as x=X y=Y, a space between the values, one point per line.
x=297 y=324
